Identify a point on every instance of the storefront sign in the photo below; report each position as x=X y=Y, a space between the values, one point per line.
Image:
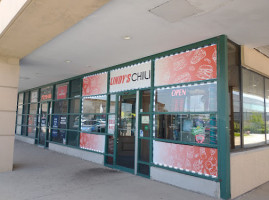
x=92 y=142
x=195 y=159
x=96 y=84
x=133 y=77
x=199 y=64
x=62 y=92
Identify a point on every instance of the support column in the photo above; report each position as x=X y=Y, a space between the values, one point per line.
x=9 y=80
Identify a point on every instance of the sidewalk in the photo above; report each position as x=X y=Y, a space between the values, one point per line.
x=41 y=174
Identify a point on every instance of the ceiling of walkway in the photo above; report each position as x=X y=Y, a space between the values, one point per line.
x=98 y=41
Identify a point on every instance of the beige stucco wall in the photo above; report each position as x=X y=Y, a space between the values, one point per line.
x=9 y=78
x=252 y=59
x=249 y=169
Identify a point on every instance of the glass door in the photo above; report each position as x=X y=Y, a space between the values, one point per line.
x=43 y=130
x=126 y=130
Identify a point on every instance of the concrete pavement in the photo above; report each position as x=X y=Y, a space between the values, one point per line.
x=41 y=174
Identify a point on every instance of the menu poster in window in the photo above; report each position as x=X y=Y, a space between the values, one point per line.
x=195 y=65
x=34 y=96
x=92 y=142
x=96 y=84
x=202 y=160
x=46 y=93
x=111 y=124
x=62 y=92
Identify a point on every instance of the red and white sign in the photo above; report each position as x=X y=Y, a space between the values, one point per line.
x=196 y=159
x=62 y=92
x=92 y=142
x=96 y=84
x=111 y=124
x=133 y=77
x=199 y=64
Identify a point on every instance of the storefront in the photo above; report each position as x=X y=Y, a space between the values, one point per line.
x=164 y=117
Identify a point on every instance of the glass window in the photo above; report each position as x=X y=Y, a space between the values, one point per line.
x=234 y=94
x=145 y=126
x=198 y=98
x=93 y=123
x=75 y=88
x=145 y=101
x=95 y=104
x=60 y=106
x=253 y=109
x=267 y=107
x=25 y=113
x=46 y=93
x=112 y=103
x=20 y=100
x=32 y=120
x=61 y=91
x=34 y=96
x=73 y=138
x=58 y=132
x=197 y=128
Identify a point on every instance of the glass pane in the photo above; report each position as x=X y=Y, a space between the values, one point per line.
x=73 y=138
x=75 y=88
x=75 y=106
x=145 y=126
x=20 y=100
x=73 y=122
x=59 y=122
x=112 y=103
x=61 y=91
x=93 y=123
x=145 y=101
x=253 y=109
x=111 y=124
x=19 y=109
x=201 y=98
x=32 y=119
x=26 y=98
x=144 y=150
x=110 y=147
x=18 y=130
x=94 y=104
x=19 y=118
x=197 y=128
x=34 y=96
x=234 y=93
x=46 y=93
x=60 y=106
x=267 y=107
x=143 y=169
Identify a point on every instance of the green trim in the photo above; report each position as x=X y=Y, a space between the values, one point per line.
x=223 y=119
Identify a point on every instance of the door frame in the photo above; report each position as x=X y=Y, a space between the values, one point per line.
x=48 y=124
x=137 y=95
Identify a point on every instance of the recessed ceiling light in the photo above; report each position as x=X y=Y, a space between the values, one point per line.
x=254 y=85
x=68 y=61
x=127 y=37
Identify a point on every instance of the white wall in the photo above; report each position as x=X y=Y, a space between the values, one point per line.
x=249 y=169
x=192 y=183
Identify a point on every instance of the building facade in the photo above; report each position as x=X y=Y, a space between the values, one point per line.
x=194 y=117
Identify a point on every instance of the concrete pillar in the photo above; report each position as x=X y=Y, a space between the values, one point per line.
x=9 y=80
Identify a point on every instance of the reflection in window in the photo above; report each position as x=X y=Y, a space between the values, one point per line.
x=198 y=128
x=95 y=104
x=253 y=109
x=145 y=101
x=267 y=107
x=200 y=98
x=93 y=123
x=112 y=103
